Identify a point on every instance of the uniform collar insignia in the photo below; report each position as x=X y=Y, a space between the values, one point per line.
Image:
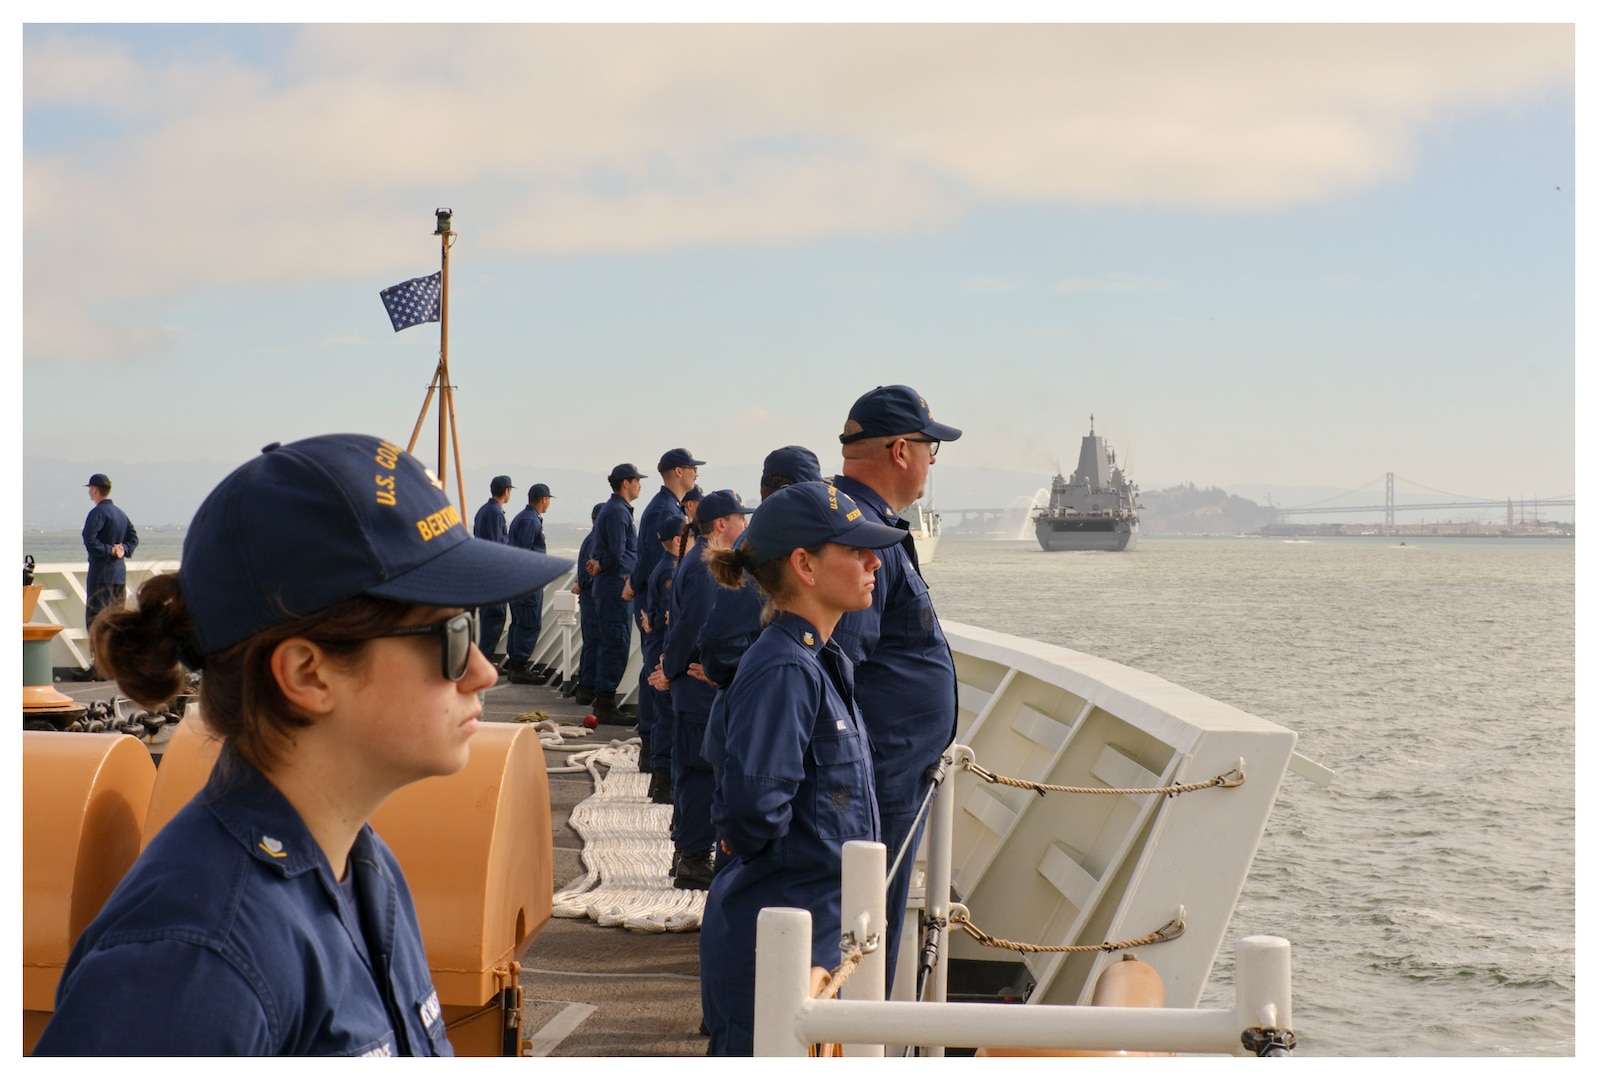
x=810 y=639
x=273 y=847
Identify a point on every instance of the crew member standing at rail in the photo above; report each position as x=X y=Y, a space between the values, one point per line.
x=266 y=917
x=611 y=565
x=733 y=623
x=722 y=518
x=903 y=666
x=489 y=524
x=587 y=614
x=527 y=612
x=653 y=604
x=678 y=470
x=109 y=538
x=797 y=781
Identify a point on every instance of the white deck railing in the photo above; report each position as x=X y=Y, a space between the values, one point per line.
x=788 y=1020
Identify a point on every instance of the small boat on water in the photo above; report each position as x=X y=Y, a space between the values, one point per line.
x=926 y=526
x=1096 y=509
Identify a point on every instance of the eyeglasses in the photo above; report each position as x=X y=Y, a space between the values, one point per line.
x=932 y=444
x=456 y=635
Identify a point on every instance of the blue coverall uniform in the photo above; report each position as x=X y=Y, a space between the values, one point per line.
x=230 y=936
x=796 y=784
x=731 y=627
x=489 y=524
x=908 y=694
x=526 y=612
x=692 y=780
x=663 y=505
x=587 y=614
x=616 y=548
x=105 y=527
x=657 y=601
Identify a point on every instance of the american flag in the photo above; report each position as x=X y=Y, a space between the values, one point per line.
x=414 y=301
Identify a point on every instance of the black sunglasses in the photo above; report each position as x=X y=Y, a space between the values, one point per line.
x=456 y=635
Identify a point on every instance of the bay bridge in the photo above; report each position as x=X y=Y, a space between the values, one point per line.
x=1392 y=507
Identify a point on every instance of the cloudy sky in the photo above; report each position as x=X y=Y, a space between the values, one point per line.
x=1289 y=255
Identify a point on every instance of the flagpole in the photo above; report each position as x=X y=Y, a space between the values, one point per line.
x=444 y=233
x=407 y=308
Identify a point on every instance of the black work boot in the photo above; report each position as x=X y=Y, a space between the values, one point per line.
x=694 y=870
x=660 y=787
x=645 y=766
x=585 y=694
x=605 y=708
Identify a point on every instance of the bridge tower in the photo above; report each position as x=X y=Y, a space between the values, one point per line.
x=1390 y=522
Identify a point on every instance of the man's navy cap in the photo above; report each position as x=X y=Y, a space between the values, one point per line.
x=595 y=513
x=677 y=459
x=811 y=513
x=794 y=462
x=99 y=480
x=499 y=485
x=308 y=524
x=717 y=504
x=625 y=471
x=538 y=491
x=694 y=494
x=669 y=527
x=893 y=410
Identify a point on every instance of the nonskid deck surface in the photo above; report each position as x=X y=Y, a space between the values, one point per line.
x=588 y=990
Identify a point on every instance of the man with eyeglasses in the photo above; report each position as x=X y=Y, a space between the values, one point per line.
x=904 y=671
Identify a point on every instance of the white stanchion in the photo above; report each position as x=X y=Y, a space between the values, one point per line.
x=782 y=981
x=865 y=905
x=1265 y=982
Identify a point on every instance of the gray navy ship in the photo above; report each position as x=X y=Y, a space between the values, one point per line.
x=1096 y=510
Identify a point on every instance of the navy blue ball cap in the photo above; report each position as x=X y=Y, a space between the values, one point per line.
x=99 y=480
x=538 y=491
x=718 y=504
x=804 y=515
x=499 y=485
x=311 y=523
x=669 y=526
x=677 y=459
x=693 y=494
x=893 y=410
x=624 y=471
x=795 y=463
x=593 y=515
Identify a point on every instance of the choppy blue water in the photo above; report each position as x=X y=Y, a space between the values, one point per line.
x=1430 y=892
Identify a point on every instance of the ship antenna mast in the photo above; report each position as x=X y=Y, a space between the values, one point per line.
x=441 y=384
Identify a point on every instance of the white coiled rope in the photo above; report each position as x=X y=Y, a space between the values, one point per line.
x=626 y=843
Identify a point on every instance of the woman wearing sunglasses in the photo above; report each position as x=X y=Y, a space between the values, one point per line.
x=324 y=592
x=796 y=782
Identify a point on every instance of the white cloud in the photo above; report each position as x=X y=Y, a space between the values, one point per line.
x=566 y=138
